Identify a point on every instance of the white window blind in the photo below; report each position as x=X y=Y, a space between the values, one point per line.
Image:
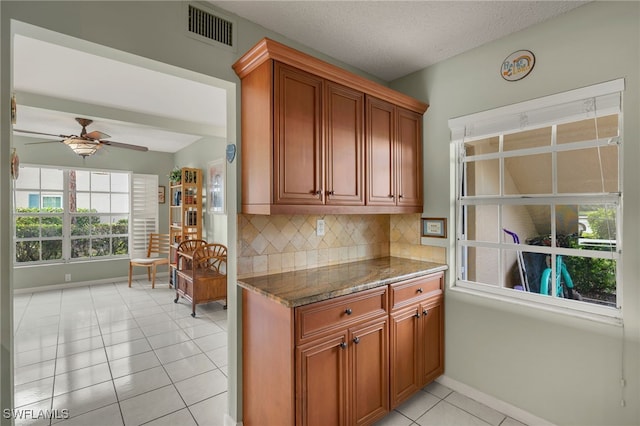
x=589 y=102
x=144 y=214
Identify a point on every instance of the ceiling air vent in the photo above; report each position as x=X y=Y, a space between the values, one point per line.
x=210 y=27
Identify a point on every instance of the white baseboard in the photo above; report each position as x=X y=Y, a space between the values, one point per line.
x=63 y=286
x=492 y=402
x=228 y=421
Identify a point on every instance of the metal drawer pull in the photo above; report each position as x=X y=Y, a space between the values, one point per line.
x=348 y=311
x=419 y=290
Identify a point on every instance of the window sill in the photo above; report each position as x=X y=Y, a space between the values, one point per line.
x=70 y=262
x=609 y=316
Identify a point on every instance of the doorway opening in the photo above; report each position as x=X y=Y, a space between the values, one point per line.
x=88 y=342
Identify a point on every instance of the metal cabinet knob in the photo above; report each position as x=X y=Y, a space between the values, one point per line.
x=420 y=290
x=348 y=311
x=343 y=345
x=425 y=312
x=356 y=340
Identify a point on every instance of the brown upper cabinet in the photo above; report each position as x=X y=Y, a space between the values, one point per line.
x=319 y=143
x=319 y=139
x=394 y=173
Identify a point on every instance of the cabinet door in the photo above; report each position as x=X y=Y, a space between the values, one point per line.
x=404 y=354
x=433 y=340
x=409 y=158
x=321 y=382
x=369 y=362
x=298 y=137
x=344 y=140
x=380 y=132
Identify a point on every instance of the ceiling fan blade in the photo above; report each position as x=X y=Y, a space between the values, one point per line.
x=40 y=133
x=38 y=143
x=125 y=145
x=96 y=135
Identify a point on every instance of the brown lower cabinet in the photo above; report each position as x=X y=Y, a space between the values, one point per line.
x=343 y=379
x=342 y=361
x=416 y=348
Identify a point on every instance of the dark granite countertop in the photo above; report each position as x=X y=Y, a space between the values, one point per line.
x=306 y=286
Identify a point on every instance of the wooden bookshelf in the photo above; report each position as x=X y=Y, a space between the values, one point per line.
x=185 y=213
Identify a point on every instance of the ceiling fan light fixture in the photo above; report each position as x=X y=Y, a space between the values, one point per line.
x=82 y=147
x=87 y=143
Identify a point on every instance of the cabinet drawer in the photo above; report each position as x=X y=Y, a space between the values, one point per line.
x=405 y=292
x=317 y=318
x=185 y=285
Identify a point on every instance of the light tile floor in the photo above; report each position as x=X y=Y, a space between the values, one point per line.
x=438 y=405
x=113 y=355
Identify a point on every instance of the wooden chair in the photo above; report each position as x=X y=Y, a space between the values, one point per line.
x=157 y=254
x=202 y=275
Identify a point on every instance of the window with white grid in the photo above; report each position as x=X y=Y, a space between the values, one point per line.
x=539 y=191
x=64 y=215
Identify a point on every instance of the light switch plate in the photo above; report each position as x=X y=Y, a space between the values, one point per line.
x=320 y=227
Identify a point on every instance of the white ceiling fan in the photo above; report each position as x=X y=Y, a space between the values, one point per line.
x=86 y=144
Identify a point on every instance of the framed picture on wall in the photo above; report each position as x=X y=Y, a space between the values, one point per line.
x=434 y=227
x=216 y=181
x=161 y=194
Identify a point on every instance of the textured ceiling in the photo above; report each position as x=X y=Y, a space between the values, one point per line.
x=390 y=39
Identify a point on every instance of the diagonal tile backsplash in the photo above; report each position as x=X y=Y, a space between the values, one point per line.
x=280 y=243
x=404 y=240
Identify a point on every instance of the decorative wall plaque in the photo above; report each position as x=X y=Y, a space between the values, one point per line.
x=517 y=65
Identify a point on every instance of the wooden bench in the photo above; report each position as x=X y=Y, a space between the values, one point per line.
x=202 y=275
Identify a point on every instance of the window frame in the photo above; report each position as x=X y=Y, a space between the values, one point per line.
x=89 y=193
x=67 y=234
x=515 y=118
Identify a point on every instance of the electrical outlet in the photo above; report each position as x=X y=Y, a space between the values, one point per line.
x=67 y=277
x=320 y=227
